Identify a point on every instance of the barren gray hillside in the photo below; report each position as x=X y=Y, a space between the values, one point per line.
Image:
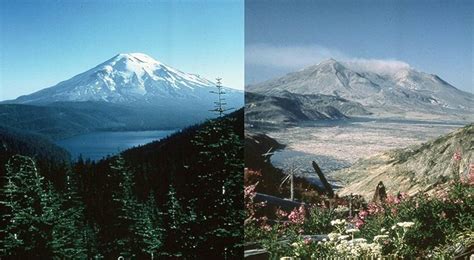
x=286 y=107
x=413 y=169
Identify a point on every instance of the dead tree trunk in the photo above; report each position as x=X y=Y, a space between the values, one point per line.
x=292 y=187
x=380 y=194
x=323 y=179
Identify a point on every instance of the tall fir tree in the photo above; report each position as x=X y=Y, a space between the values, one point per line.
x=179 y=220
x=62 y=224
x=39 y=224
x=148 y=228
x=218 y=185
x=22 y=196
x=126 y=205
x=218 y=188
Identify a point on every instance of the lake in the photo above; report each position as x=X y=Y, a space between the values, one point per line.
x=97 y=145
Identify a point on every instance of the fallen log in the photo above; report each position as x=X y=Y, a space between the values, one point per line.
x=277 y=202
x=256 y=254
x=327 y=186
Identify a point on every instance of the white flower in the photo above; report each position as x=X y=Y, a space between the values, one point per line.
x=376 y=238
x=355 y=252
x=383 y=230
x=352 y=230
x=294 y=244
x=341 y=209
x=343 y=237
x=338 y=222
x=333 y=236
x=405 y=224
x=359 y=240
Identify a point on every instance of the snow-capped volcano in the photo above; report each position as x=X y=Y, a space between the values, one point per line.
x=129 y=78
x=399 y=89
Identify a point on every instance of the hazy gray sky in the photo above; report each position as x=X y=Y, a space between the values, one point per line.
x=431 y=36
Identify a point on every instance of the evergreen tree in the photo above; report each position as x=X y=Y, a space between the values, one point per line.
x=179 y=219
x=148 y=228
x=218 y=185
x=62 y=224
x=82 y=240
x=22 y=196
x=125 y=203
x=38 y=224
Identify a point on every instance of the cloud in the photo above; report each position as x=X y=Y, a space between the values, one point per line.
x=297 y=57
x=289 y=57
x=388 y=66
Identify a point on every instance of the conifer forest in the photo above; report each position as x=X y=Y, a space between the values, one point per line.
x=180 y=197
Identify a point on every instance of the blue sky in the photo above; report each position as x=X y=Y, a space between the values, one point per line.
x=431 y=36
x=45 y=42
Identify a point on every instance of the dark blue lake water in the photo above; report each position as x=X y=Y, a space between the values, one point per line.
x=100 y=144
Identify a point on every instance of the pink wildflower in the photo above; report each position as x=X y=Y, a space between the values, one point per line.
x=393 y=200
x=358 y=222
x=297 y=215
x=457 y=156
x=249 y=191
x=363 y=214
x=281 y=213
x=374 y=208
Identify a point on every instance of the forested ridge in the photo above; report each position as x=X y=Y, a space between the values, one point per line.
x=180 y=197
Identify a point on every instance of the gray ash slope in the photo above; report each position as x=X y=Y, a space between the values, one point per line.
x=289 y=108
x=418 y=168
x=404 y=91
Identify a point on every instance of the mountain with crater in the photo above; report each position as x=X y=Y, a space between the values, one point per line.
x=402 y=91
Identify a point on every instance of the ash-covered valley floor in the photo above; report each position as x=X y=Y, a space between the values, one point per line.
x=338 y=144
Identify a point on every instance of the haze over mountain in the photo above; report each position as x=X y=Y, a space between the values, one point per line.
x=402 y=90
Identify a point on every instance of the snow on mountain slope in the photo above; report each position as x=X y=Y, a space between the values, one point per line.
x=130 y=78
x=401 y=90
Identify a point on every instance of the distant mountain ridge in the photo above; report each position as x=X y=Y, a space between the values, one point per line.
x=14 y=141
x=290 y=108
x=133 y=78
x=403 y=90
